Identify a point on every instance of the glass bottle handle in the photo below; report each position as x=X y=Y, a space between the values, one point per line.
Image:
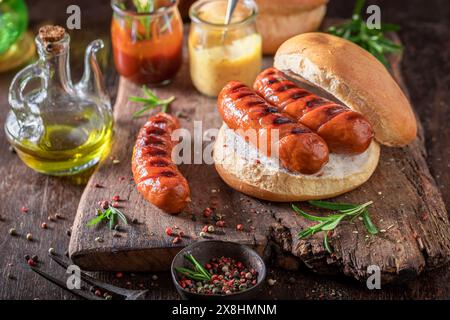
x=19 y=83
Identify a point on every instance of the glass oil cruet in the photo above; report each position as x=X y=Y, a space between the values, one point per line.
x=59 y=128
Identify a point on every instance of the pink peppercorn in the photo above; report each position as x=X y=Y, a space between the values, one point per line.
x=239 y=227
x=205 y=229
x=24 y=209
x=119 y=275
x=31 y=262
x=207 y=212
x=43 y=225
x=220 y=223
x=176 y=240
x=169 y=231
x=116 y=198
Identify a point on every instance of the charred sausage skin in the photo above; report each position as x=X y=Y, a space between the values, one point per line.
x=156 y=176
x=299 y=149
x=345 y=131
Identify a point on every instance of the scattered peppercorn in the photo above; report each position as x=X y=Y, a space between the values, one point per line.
x=119 y=275
x=116 y=198
x=98 y=293
x=24 y=209
x=50 y=218
x=44 y=225
x=69 y=232
x=116 y=161
x=210 y=228
x=98 y=185
x=271 y=282
x=169 y=231
x=27 y=257
x=115 y=204
x=220 y=223
x=104 y=204
x=202 y=234
x=207 y=212
x=29 y=237
x=58 y=216
x=31 y=263
x=13 y=232
x=239 y=227
x=154 y=277
x=51 y=251
x=176 y=240
x=99 y=239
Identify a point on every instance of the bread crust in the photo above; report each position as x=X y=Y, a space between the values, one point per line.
x=356 y=78
x=261 y=181
x=277 y=26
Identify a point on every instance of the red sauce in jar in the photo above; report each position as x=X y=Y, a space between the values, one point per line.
x=152 y=60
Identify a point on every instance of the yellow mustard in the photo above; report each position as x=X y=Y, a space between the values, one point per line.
x=219 y=53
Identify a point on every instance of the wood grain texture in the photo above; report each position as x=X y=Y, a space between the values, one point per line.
x=425 y=71
x=407 y=207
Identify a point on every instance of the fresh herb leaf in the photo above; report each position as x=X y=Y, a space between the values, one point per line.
x=326 y=243
x=150 y=101
x=96 y=220
x=199 y=273
x=373 y=40
x=371 y=228
x=330 y=222
x=331 y=205
x=309 y=216
x=109 y=215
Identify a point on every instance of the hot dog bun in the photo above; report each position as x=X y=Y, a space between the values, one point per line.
x=354 y=77
x=279 y=20
x=239 y=165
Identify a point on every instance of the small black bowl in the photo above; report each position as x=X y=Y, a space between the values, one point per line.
x=203 y=251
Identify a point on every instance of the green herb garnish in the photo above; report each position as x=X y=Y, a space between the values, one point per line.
x=110 y=215
x=373 y=40
x=145 y=6
x=198 y=274
x=150 y=101
x=330 y=222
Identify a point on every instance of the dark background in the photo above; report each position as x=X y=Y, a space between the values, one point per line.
x=425 y=34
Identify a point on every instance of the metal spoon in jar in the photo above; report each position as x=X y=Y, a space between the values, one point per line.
x=231 y=5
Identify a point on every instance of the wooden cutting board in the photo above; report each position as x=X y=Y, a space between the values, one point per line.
x=407 y=208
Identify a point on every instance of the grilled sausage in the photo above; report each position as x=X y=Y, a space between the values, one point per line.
x=299 y=149
x=156 y=176
x=345 y=131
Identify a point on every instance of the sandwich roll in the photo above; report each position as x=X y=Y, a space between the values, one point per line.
x=244 y=169
x=354 y=77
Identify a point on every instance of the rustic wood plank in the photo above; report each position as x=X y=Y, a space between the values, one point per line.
x=414 y=222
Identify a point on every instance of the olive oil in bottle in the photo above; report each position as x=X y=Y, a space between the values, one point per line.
x=59 y=128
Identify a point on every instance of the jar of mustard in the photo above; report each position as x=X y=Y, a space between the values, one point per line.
x=219 y=53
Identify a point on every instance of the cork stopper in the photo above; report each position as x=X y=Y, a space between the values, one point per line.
x=51 y=33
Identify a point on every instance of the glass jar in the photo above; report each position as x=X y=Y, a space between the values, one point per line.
x=219 y=53
x=147 y=42
x=16 y=45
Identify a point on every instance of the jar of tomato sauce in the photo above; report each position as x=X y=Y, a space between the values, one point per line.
x=220 y=52
x=147 y=39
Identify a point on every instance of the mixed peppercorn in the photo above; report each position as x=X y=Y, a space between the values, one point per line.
x=224 y=276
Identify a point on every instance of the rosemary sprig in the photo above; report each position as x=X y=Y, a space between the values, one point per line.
x=373 y=40
x=109 y=215
x=198 y=274
x=150 y=101
x=330 y=222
